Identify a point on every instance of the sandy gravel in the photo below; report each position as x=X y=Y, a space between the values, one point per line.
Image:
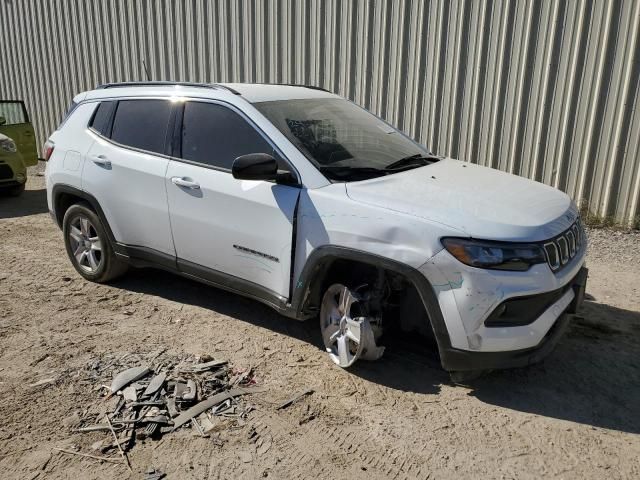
x=577 y=415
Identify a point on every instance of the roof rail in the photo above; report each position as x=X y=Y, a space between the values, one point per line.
x=235 y=92
x=312 y=87
x=214 y=86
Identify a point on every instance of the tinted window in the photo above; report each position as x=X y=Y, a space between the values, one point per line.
x=141 y=124
x=68 y=113
x=13 y=113
x=100 y=120
x=215 y=135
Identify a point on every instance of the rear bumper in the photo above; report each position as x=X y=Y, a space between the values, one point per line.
x=454 y=359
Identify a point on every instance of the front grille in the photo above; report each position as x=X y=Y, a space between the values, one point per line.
x=563 y=248
x=5 y=172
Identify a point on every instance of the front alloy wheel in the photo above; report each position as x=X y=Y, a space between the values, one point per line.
x=340 y=332
x=346 y=330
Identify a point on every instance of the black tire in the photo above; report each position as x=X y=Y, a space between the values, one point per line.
x=15 y=191
x=465 y=378
x=104 y=265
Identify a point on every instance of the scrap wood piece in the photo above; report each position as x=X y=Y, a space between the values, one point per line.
x=294 y=399
x=124 y=456
x=95 y=457
x=206 y=404
x=100 y=428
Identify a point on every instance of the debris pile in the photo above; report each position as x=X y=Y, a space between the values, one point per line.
x=154 y=398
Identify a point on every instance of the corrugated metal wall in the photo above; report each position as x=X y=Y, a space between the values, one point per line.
x=544 y=89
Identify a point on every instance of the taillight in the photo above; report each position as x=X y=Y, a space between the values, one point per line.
x=48 y=150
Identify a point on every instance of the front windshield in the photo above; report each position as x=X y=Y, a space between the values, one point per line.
x=344 y=141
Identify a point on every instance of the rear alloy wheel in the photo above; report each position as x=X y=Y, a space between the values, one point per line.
x=346 y=333
x=88 y=245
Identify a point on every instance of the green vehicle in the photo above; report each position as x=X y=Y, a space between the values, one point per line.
x=17 y=146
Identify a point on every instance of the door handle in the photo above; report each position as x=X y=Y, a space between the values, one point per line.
x=101 y=160
x=182 y=182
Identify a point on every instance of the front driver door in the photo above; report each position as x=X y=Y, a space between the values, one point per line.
x=238 y=228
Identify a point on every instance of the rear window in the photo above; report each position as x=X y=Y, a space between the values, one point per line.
x=141 y=124
x=102 y=118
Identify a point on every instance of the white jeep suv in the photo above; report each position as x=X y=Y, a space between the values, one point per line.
x=301 y=199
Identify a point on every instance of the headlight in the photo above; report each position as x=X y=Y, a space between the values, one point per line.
x=495 y=255
x=8 y=145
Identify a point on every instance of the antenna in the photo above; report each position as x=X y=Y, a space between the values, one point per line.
x=146 y=71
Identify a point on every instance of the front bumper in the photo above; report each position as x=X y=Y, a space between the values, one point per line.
x=12 y=171
x=454 y=359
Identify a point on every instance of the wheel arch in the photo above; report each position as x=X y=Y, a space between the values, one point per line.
x=308 y=287
x=64 y=196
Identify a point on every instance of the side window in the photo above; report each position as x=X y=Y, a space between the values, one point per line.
x=216 y=135
x=13 y=113
x=100 y=122
x=141 y=124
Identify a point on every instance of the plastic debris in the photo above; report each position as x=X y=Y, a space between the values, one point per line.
x=173 y=392
x=128 y=376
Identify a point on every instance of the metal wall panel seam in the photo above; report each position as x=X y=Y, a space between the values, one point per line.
x=619 y=109
x=599 y=53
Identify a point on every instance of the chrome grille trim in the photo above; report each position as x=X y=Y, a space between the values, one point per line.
x=576 y=232
x=572 y=243
x=552 y=255
x=564 y=247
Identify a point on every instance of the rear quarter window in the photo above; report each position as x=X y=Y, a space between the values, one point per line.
x=101 y=120
x=141 y=124
x=67 y=114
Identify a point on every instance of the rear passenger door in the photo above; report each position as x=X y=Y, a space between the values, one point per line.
x=125 y=170
x=225 y=229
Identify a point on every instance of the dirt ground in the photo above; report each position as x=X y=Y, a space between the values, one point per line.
x=577 y=415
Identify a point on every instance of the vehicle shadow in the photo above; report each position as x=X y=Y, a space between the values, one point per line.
x=31 y=202
x=593 y=376
x=397 y=369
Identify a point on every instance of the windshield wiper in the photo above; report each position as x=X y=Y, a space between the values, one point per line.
x=412 y=161
x=361 y=173
x=343 y=172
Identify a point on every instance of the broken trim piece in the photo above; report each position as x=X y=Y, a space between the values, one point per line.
x=196 y=410
x=128 y=376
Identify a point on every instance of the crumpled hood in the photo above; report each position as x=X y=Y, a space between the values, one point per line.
x=478 y=201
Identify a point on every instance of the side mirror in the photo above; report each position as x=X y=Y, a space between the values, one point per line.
x=261 y=166
x=2 y=120
x=255 y=166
